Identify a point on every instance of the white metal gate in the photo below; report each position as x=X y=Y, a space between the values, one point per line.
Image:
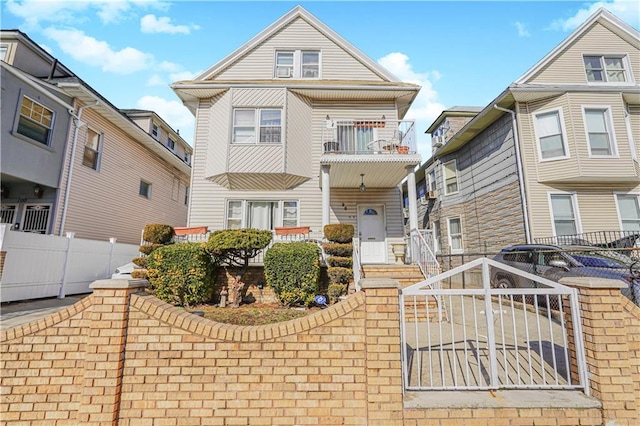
x=491 y=338
x=35 y=218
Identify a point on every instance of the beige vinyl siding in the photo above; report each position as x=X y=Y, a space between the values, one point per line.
x=299 y=136
x=258 y=98
x=336 y=63
x=143 y=122
x=106 y=203
x=256 y=158
x=568 y=66
x=621 y=167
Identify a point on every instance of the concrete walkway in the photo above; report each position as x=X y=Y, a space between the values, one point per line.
x=13 y=314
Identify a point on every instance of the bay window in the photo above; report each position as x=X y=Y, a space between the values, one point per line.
x=599 y=128
x=252 y=125
x=550 y=134
x=261 y=214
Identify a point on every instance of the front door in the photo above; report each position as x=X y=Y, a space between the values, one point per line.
x=371 y=231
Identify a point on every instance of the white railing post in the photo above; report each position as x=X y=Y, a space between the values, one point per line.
x=491 y=333
x=65 y=272
x=112 y=241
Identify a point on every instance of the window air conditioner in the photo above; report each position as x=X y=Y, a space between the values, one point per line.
x=438 y=141
x=432 y=195
x=283 y=72
x=405 y=212
x=423 y=199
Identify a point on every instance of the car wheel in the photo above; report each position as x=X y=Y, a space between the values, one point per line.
x=503 y=282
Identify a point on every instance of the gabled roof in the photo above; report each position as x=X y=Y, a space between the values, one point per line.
x=456 y=111
x=604 y=17
x=297 y=12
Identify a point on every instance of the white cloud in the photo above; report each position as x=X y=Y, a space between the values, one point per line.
x=627 y=10
x=425 y=108
x=522 y=30
x=156 y=80
x=173 y=112
x=36 y=12
x=183 y=75
x=94 y=52
x=150 y=24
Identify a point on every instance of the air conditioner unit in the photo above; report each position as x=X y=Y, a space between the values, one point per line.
x=423 y=199
x=432 y=195
x=284 y=72
x=405 y=213
x=438 y=141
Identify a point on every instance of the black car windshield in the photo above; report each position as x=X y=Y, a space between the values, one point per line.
x=597 y=262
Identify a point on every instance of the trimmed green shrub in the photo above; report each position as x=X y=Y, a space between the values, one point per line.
x=340 y=275
x=140 y=261
x=338 y=249
x=139 y=274
x=148 y=248
x=293 y=271
x=335 y=291
x=181 y=274
x=158 y=233
x=235 y=247
x=339 y=232
x=342 y=262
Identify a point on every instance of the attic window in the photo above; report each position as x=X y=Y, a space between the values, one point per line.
x=605 y=69
x=298 y=64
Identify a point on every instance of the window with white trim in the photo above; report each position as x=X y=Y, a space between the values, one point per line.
x=171 y=144
x=432 y=181
x=186 y=195
x=563 y=212
x=261 y=214
x=4 y=48
x=35 y=121
x=266 y=122
x=550 y=134
x=454 y=225
x=301 y=64
x=154 y=131
x=450 y=177
x=598 y=123
x=629 y=211
x=92 y=149
x=605 y=68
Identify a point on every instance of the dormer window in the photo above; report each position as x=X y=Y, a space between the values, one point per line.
x=171 y=144
x=299 y=64
x=605 y=69
x=154 y=131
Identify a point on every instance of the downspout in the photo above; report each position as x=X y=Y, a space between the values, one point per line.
x=76 y=123
x=523 y=194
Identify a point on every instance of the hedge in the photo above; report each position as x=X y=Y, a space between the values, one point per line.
x=340 y=275
x=293 y=271
x=338 y=249
x=181 y=274
x=158 y=233
x=149 y=248
x=140 y=261
x=235 y=247
x=339 y=232
x=342 y=262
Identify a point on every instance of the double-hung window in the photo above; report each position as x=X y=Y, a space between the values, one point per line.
x=35 y=121
x=455 y=234
x=154 y=131
x=267 y=123
x=261 y=214
x=92 y=150
x=598 y=124
x=629 y=212
x=605 y=68
x=171 y=144
x=297 y=64
x=550 y=134
x=145 y=189
x=450 y=174
x=432 y=181
x=563 y=213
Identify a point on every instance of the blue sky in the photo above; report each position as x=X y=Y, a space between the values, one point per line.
x=460 y=52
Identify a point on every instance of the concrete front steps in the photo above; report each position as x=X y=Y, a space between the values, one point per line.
x=405 y=274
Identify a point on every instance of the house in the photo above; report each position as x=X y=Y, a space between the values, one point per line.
x=73 y=162
x=298 y=127
x=554 y=154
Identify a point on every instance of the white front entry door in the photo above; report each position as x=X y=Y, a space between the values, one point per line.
x=371 y=231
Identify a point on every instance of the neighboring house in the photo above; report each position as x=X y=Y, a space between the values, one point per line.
x=72 y=162
x=300 y=128
x=554 y=154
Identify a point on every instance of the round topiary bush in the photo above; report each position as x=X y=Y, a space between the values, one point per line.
x=181 y=274
x=340 y=275
x=148 y=248
x=339 y=232
x=342 y=262
x=338 y=249
x=140 y=261
x=335 y=291
x=158 y=233
x=293 y=271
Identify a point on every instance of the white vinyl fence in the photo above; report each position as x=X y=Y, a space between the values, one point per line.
x=38 y=266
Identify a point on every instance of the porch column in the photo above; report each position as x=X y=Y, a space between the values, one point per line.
x=413 y=203
x=326 y=194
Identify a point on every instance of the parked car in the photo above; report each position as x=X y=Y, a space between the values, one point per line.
x=123 y=272
x=554 y=263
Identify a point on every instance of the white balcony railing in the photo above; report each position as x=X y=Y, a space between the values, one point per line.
x=362 y=137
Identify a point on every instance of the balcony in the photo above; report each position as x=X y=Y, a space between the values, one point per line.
x=369 y=137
